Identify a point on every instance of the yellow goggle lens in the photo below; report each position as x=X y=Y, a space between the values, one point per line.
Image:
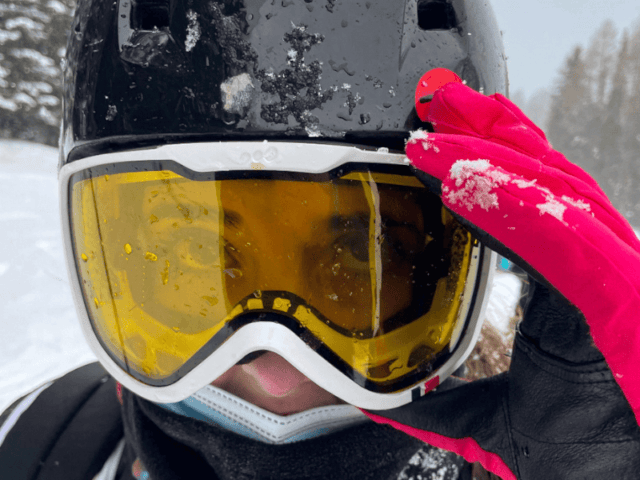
x=369 y=263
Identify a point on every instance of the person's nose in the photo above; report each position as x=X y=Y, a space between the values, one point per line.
x=282 y=264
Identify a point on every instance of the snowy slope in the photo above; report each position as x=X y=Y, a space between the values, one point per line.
x=40 y=338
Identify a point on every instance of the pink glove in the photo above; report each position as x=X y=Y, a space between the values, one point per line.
x=502 y=178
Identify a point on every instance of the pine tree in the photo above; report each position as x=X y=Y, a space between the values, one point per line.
x=614 y=170
x=537 y=107
x=600 y=60
x=631 y=124
x=33 y=37
x=519 y=98
x=594 y=117
x=569 y=111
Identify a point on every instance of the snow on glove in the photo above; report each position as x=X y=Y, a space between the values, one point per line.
x=565 y=409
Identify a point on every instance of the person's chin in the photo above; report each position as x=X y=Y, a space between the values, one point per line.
x=272 y=383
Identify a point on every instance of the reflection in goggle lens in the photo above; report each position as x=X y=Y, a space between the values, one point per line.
x=373 y=269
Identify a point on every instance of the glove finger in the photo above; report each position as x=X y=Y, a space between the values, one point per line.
x=556 y=161
x=458 y=109
x=468 y=420
x=435 y=154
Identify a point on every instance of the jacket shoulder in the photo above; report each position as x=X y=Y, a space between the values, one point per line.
x=66 y=429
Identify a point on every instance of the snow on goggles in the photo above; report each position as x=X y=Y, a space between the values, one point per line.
x=360 y=264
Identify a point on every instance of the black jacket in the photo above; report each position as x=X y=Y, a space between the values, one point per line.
x=76 y=426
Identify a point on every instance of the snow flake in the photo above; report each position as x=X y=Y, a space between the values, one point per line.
x=498 y=177
x=193 y=31
x=47 y=116
x=35 y=88
x=6 y=36
x=313 y=131
x=48 y=100
x=421 y=135
x=8 y=104
x=523 y=183
x=24 y=22
x=475 y=183
x=429 y=463
x=464 y=167
x=37 y=57
x=553 y=207
x=236 y=93
x=581 y=204
x=427 y=145
x=300 y=28
x=112 y=111
x=56 y=6
x=417 y=135
x=24 y=99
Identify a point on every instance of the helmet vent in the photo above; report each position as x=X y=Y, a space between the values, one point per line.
x=150 y=14
x=436 y=15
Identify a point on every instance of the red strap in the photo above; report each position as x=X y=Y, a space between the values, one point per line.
x=467 y=448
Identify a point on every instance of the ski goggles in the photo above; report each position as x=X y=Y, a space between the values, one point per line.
x=186 y=258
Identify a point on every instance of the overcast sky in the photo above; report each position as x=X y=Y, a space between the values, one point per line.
x=540 y=34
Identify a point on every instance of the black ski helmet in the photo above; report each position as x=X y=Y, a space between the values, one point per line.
x=145 y=72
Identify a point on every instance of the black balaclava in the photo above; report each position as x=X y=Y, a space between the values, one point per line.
x=172 y=447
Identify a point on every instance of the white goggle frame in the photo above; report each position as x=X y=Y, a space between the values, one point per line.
x=271 y=156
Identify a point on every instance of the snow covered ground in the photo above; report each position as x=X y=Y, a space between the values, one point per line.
x=39 y=335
